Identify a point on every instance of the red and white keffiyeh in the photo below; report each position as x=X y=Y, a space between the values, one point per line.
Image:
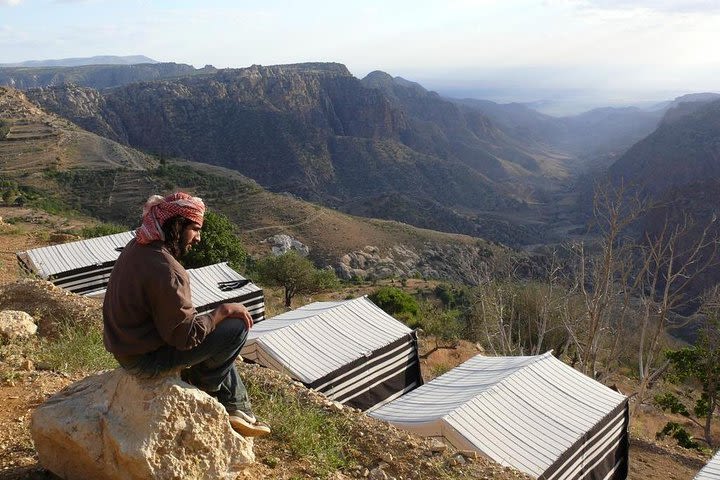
x=158 y=209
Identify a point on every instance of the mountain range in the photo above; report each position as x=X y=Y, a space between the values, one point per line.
x=386 y=147
x=379 y=146
x=53 y=164
x=76 y=62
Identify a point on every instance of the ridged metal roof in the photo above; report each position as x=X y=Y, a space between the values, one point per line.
x=66 y=257
x=205 y=288
x=317 y=339
x=711 y=471
x=523 y=412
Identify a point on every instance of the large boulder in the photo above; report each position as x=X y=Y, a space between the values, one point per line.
x=282 y=243
x=15 y=324
x=113 y=426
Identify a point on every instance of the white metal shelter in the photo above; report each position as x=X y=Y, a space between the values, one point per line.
x=711 y=471
x=351 y=351
x=533 y=413
x=82 y=267
x=215 y=284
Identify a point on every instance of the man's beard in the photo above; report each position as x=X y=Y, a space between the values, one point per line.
x=177 y=249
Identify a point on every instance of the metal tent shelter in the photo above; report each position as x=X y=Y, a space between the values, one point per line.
x=532 y=413
x=351 y=351
x=215 y=284
x=711 y=471
x=82 y=267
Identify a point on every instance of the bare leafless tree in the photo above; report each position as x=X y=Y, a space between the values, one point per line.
x=599 y=278
x=669 y=261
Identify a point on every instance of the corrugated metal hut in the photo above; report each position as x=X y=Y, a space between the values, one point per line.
x=351 y=351
x=711 y=471
x=533 y=413
x=218 y=283
x=82 y=267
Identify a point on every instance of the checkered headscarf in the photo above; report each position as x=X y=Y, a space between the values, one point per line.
x=159 y=209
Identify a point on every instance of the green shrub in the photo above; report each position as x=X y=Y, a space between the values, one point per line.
x=396 y=302
x=218 y=243
x=443 y=324
x=676 y=431
x=668 y=401
x=101 y=230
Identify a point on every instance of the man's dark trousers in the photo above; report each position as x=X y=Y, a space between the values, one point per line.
x=210 y=366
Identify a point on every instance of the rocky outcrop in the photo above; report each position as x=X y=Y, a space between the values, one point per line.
x=463 y=263
x=51 y=305
x=15 y=324
x=114 y=426
x=282 y=243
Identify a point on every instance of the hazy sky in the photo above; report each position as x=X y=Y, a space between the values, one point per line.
x=624 y=48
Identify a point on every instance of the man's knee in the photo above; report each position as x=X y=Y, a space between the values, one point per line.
x=233 y=328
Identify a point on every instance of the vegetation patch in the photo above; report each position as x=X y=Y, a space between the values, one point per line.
x=75 y=349
x=218 y=243
x=4 y=129
x=214 y=186
x=396 y=302
x=307 y=430
x=102 y=230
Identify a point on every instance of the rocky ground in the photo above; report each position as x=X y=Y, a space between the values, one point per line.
x=374 y=449
x=376 y=445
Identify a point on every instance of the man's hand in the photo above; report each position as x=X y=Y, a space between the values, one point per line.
x=232 y=310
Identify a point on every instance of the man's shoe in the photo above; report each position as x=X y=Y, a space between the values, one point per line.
x=239 y=423
x=248 y=417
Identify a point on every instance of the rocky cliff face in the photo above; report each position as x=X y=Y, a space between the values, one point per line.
x=316 y=131
x=684 y=149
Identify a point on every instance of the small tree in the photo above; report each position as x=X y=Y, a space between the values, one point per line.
x=218 y=243
x=701 y=364
x=440 y=323
x=8 y=196
x=396 y=302
x=295 y=274
x=601 y=278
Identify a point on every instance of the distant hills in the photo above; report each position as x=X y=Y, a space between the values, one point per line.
x=595 y=137
x=677 y=168
x=77 y=62
x=99 y=76
x=684 y=149
x=381 y=146
x=316 y=131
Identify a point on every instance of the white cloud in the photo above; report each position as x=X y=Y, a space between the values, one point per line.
x=665 y=6
x=10 y=3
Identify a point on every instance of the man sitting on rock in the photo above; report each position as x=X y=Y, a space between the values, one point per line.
x=151 y=326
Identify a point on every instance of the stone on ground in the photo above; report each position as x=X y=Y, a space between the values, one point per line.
x=114 y=426
x=15 y=324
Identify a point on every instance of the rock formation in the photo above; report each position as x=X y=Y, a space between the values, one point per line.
x=462 y=263
x=282 y=243
x=114 y=426
x=16 y=325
